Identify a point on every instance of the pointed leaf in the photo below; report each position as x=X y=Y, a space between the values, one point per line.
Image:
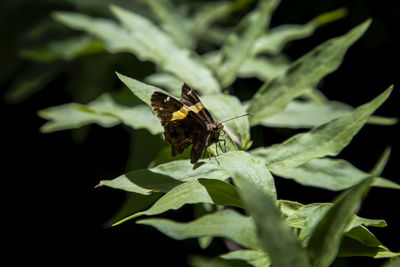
x=303 y=73
x=332 y=174
x=196 y=191
x=103 y=111
x=324 y=140
x=165 y=53
x=238 y=46
x=275 y=237
x=226 y=223
x=325 y=240
x=163 y=177
x=307 y=114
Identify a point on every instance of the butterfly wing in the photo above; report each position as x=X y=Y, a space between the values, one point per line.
x=182 y=126
x=190 y=99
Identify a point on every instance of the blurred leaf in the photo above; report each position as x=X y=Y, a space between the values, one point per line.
x=394 y=262
x=325 y=240
x=327 y=139
x=28 y=84
x=262 y=68
x=163 y=177
x=305 y=72
x=239 y=43
x=361 y=242
x=256 y=258
x=176 y=25
x=332 y=174
x=141 y=37
x=307 y=114
x=274 y=41
x=67 y=49
x=195 y=191
x=275 y=237
x=103 y=111
x=245 y=165
x=226 y=223
x=167 y=81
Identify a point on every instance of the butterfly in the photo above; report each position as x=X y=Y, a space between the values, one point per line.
x=186 y=122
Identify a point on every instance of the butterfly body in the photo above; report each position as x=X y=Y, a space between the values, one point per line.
x=186 y=122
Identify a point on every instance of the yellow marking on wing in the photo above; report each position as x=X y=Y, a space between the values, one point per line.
x=180 y=114
x=197 y=107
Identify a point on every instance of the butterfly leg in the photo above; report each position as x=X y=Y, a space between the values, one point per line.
x=222 y=140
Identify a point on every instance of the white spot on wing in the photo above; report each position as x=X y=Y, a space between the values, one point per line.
x=167 y=99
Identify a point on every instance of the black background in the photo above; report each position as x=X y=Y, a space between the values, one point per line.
x=51 y=208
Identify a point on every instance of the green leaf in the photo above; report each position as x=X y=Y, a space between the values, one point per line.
x=307 y=114
x=275 y=237
x=161 y=50
x=239 y=44
x=167 y=81
x=305 y=72
x=140 y=36
x=361 y=242
x=275 y=40
x=256 y=258
x=306 y=218
x=226 y=223
x=325 y=140
x=163 y=177
x=325 y=240
x=262 y=68
x=393 y=263
x=141 y=90
x=245 y=165
x=103 y=111
x=332 y=174
x=196 y=191
x=67 y=49
x=30 y=83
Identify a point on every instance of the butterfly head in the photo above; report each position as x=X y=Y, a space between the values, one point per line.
x=215 y=130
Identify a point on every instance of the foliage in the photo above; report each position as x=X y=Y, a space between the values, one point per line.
x=239 y=184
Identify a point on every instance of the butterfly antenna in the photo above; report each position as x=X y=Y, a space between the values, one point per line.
x=237 y=117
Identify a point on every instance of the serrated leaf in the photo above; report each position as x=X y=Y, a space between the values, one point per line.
x=165 y=53
x=325 y=240
x=274 y=41
x=256 y=258
x=142 y=90
x=325 y=140
x=238 y=45
x=163 y=177
x=307 y=114
x=140 y=36
x=332 y=174
x=306 y=218
x=304 y=73
x=262 y=68
x=245 y=165
x=196 y=191
x=275 y=237
x=226 y=223
x=103 y=111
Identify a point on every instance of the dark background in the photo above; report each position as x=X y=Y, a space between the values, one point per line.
x=50 y=206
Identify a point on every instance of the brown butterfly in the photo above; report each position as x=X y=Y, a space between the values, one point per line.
x=186 y=122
